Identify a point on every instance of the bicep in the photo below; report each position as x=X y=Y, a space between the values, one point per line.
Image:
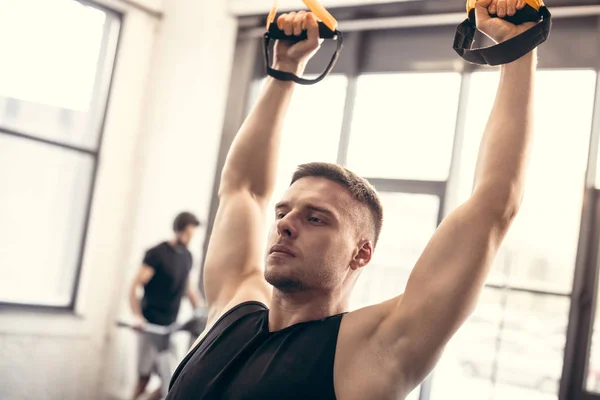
x=145 y=273
x=445 y=283
x=236 y=248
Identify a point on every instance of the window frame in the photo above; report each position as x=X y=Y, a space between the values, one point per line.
x=103 y=86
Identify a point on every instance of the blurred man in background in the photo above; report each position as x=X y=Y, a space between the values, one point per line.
x=164 y=277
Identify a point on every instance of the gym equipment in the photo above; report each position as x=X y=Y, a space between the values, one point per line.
x=161 y=335
x=512 y=49
x=327 y=30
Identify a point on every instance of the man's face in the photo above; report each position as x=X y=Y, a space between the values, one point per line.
x=314 y=238
x=184 y=237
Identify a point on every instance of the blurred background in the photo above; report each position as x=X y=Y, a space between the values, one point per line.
x=117 y=114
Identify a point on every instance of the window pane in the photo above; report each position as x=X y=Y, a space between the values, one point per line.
x=511 y=348
x=410 y=221
x=56 y=60
x=531 y=351
x=45 y=191
x=540 y=249
x=466 y=367
x=404 y=125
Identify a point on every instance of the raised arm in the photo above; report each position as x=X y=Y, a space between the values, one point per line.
x=233 y=270
x=448 y=278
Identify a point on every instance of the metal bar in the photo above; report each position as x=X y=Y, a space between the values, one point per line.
x=358 y=47
x=451 y=198
x=130 y=3
x=585 y=281
x=101 y=59
x=434 y=188
x=344 y=143
x=521 y=289
x=36 y=308
x=21 y=135
x=582 y=301
x=411 y=21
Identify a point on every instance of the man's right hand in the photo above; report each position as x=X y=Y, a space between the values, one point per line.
x=294 y=57
x=498 y=29
x=139 y=322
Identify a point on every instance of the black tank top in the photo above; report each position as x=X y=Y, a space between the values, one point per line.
x=239 y=359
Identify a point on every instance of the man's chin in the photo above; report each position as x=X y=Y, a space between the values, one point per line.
x=284 y=283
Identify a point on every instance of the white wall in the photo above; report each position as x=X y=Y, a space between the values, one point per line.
x=158 y=157
x=188 y=87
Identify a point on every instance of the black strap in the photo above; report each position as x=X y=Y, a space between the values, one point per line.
x=288 y=76
x=505 y=52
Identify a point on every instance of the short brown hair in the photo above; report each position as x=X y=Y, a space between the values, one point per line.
x=360 y=189
x=183 y=220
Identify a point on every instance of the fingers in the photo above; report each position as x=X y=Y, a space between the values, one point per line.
x=483 y=10
x=493 y=8
x=294 y=23
x=285 y=22
x=312 y=29
x=299 y=23
x=502 y=8
x=511 y=7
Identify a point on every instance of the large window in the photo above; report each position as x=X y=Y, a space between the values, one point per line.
x=57 y=62
x=520 y=325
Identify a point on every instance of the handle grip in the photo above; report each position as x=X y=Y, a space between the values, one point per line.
x=278 y=34
x=527 y=14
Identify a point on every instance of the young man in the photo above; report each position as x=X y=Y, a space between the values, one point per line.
x=164 y=276
x=284 y=332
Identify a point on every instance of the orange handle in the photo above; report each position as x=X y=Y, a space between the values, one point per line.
x=315 y=7
x=321 y=13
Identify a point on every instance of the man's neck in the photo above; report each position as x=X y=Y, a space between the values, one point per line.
x=176 y=244
x=292 y=308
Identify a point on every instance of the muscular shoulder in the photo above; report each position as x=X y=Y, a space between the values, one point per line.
x=154 y=256
x=254 y=288
x=159 y=248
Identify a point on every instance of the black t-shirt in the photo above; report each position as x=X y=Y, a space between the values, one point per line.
x=162 y=294
x=239 y=358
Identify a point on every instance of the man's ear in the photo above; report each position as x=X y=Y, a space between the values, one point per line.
x=362 y=255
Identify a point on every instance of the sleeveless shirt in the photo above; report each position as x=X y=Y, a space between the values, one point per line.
x=239 y=359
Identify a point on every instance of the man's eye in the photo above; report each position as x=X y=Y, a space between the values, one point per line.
x=314 y=219
x=280 y=215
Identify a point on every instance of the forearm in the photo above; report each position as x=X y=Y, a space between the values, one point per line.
x=134 y=301
x=506 y=142
x=252 y=160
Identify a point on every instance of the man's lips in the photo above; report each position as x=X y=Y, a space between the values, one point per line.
x=279 y=248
